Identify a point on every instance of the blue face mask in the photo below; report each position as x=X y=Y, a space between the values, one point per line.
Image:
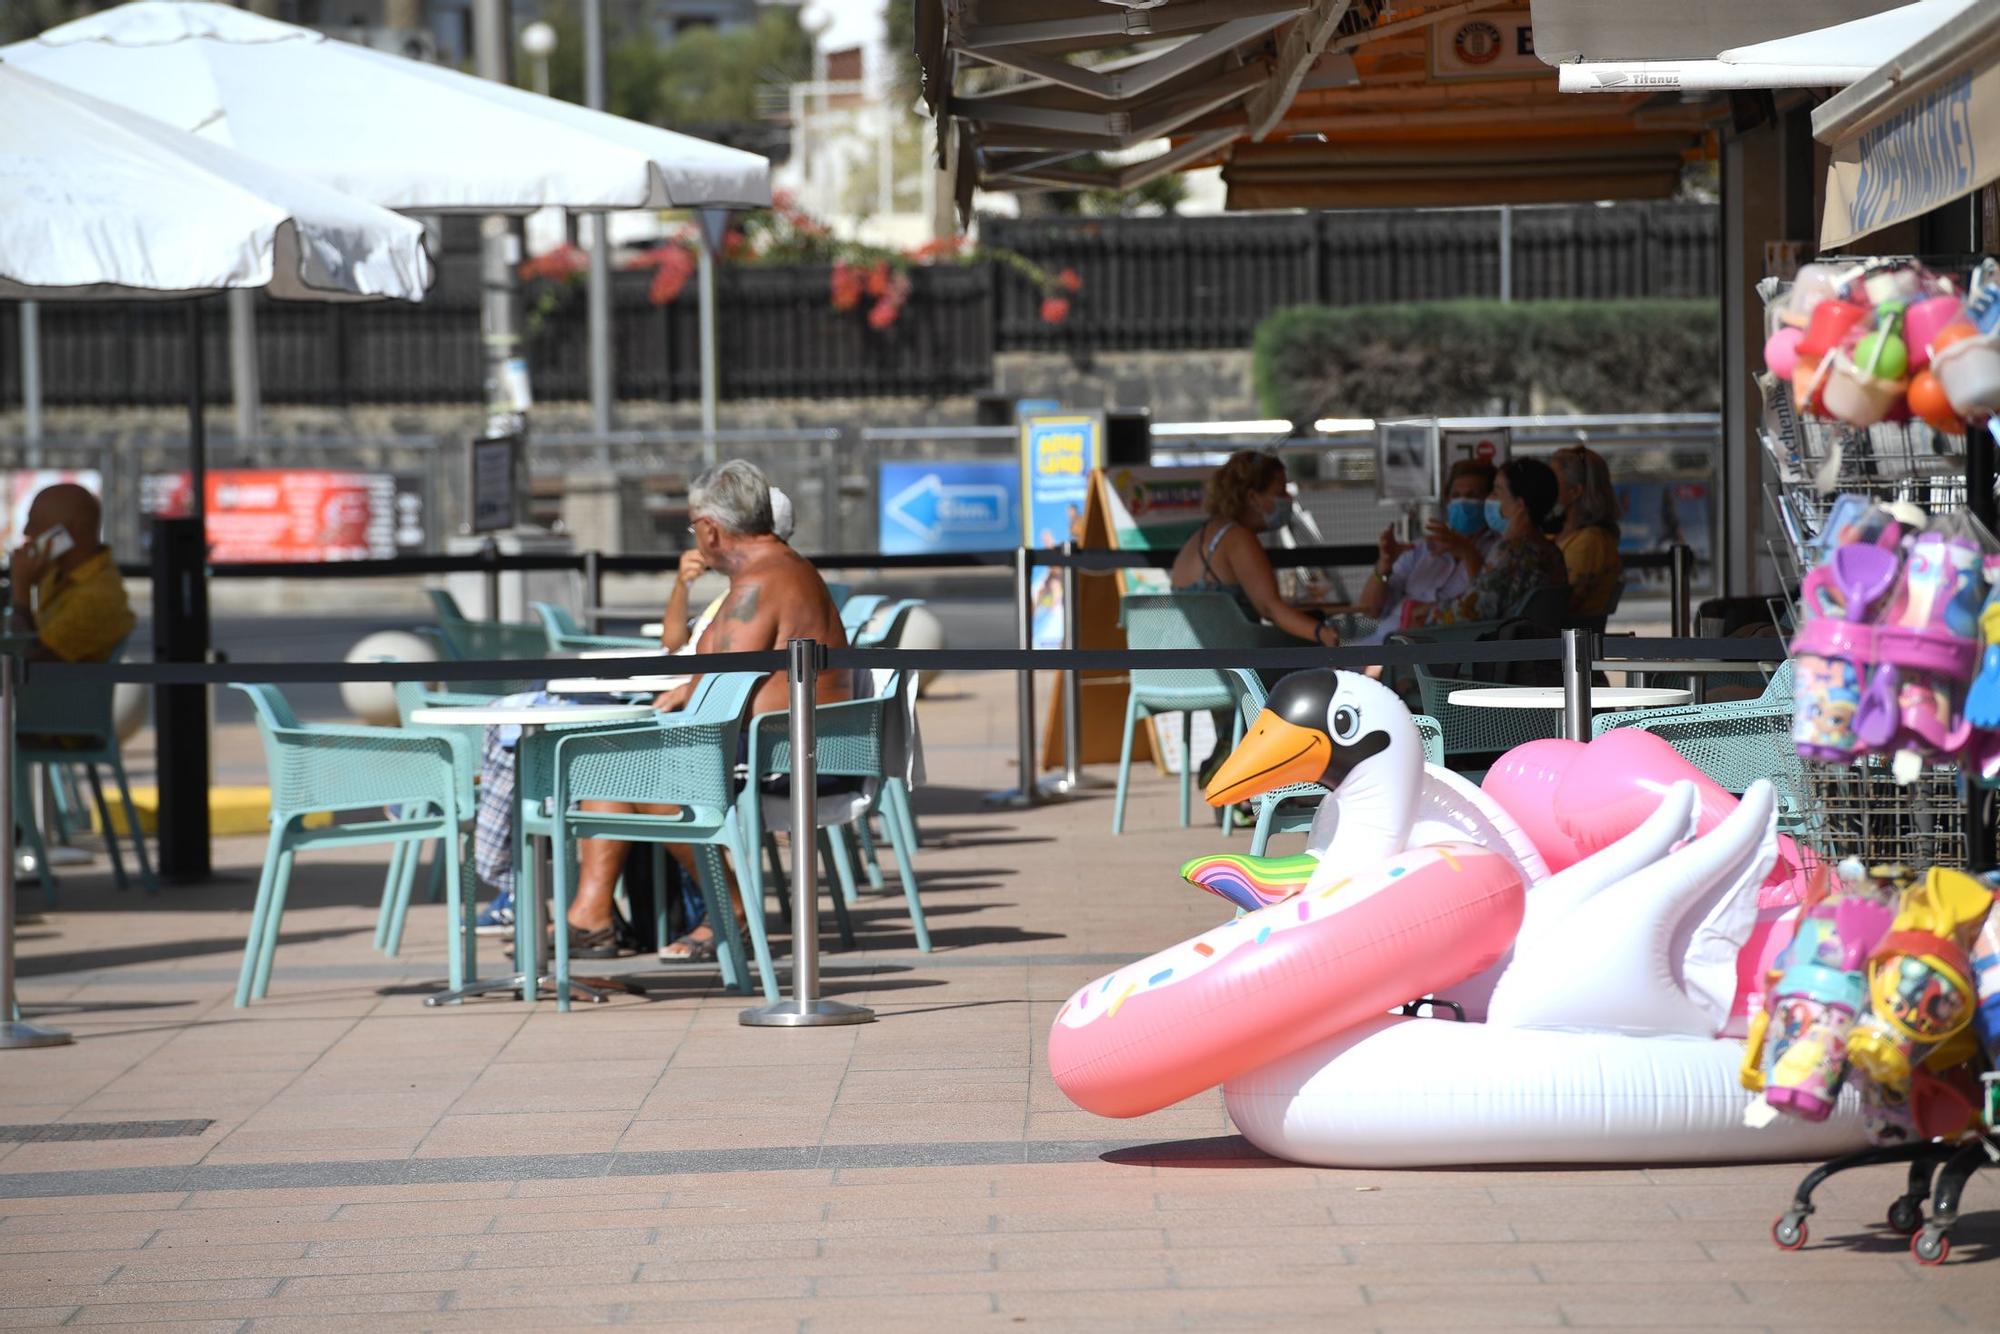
x=1465 y=517
x=1496 y=518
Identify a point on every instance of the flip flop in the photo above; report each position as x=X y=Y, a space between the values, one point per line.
x=698 y=950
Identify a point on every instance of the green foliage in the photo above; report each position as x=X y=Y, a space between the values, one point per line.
x=703 y=77
x=22 y=19
x=899 y=24
x=1465 y=357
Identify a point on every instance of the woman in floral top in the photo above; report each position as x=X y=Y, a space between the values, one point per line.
x=1523 y=561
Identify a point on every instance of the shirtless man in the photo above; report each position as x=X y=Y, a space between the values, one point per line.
x=775 y=596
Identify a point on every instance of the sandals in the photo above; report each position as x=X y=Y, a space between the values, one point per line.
x=694 y=949
x=603 y=943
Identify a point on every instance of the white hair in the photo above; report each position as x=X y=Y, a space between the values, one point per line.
x=735 y=495
x=783 y=520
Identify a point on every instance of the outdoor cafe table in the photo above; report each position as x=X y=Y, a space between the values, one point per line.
x=1551 y=697
x=615 y=685
x=528 y=888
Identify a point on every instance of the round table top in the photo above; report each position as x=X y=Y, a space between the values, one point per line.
x=1551 y=697
x=528 y=715
x=634 y=654
x=615 y=685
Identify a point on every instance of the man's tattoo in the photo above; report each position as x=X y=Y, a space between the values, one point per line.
x=743 y=607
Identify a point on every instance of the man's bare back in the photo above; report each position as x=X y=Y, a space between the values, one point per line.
x=774 y=597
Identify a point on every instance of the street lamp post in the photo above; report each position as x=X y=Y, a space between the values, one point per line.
x=538 y=40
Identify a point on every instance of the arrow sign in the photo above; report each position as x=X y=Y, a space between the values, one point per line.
x=931 y=508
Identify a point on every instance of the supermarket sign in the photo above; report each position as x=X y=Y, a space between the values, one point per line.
x=298 y=514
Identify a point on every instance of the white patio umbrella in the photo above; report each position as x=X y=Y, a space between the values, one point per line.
x=96 y=202
x=394 y=131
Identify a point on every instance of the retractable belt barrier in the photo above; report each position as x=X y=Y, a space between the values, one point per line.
x=925 y=660
x=1092 y=560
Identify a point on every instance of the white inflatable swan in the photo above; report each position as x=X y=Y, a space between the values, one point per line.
x=1591 y=1040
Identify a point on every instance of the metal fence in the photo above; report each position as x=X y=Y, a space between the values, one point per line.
x=1208 y=282
x=1147 y=283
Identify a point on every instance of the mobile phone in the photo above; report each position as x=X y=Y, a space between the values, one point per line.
x=54 y=543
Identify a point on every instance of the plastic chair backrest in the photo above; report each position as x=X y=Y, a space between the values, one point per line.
x=274 y=711
x=445 y=605
x=884 y=627
x=557 y=623
x=853 y=736
x=856 y=611
x=687 y=759
x=50 y=705
x=1184 y=620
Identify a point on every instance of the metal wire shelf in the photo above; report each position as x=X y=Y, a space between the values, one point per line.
x=1859 y=809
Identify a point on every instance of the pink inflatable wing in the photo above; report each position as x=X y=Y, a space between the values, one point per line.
x=1261 y=986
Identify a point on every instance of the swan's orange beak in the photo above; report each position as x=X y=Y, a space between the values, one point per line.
x=1273 y=754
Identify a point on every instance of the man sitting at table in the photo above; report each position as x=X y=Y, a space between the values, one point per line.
x=677 y=633
x=66 y=587
x=775 y=596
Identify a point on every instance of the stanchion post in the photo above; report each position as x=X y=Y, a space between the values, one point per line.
x=1980 y=447
x=1680 y=589
x=1024 y=793
x=489 y=551
x=805 y=1009
x=593 y=590
x=1576 y=684
x=13 y=1033
x=1072 y=777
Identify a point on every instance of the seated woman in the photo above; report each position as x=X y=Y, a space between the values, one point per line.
x=1522 y=561
x=1246 y=496
x=1407 y=580
x=1589 y=533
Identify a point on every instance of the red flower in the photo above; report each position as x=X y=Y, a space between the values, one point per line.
x=878 y=279
x=732 y=243
x=1055 y=309
x=1070 y=280
x=672 y=267
x=561 y=264
x=883 y=313
x=847 y=286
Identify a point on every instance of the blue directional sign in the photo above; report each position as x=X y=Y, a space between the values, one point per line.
x=949 y=506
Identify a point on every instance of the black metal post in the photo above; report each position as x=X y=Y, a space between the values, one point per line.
x=1979 y=499
x=593 y=590
x=181 y=634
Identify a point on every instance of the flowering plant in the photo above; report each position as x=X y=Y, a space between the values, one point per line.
x=876 y=278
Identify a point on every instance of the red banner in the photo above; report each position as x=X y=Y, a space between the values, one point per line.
x=295 y=514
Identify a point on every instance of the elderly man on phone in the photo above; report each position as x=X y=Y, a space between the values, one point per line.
x=66 y=588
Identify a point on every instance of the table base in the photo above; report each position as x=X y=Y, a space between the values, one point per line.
x=805 y=1014
x=594 y=989
x=27 y=1035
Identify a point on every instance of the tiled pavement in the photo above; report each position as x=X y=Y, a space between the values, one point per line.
x=375 y=1164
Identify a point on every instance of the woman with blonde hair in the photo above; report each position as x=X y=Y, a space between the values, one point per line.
x=1589 y=533
x=1246 y=496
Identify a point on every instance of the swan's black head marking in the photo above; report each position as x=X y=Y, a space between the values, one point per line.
x=1305 y=699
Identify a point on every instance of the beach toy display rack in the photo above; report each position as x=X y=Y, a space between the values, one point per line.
x=1858 y=809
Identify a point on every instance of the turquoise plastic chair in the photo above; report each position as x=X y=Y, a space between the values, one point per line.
x=566 y=636
x=400 y=882
x=884 y=626
x=414 y=779
x=1735 y=744
x=856 y=611
x=1272 y=815
x=1183 y=620
x=899 y=760
x=686 y=760
x=855 y=739
x=59 y=723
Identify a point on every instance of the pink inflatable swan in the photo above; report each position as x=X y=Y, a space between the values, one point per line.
x=1587 y=909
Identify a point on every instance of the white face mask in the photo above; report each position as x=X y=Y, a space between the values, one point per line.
x=1281 y=510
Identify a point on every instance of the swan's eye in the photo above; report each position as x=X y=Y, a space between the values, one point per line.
x=1346 y=723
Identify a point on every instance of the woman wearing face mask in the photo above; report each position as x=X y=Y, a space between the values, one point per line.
x=1247 y=495
x=1589 y=533
x=1522 y=561
x=1408 y=581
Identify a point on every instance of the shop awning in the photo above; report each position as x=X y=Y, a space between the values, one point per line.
x=1313 y=103
x=1824 y=57
x=1916 y=133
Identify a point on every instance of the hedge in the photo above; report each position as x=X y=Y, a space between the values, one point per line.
x=1460 y=358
